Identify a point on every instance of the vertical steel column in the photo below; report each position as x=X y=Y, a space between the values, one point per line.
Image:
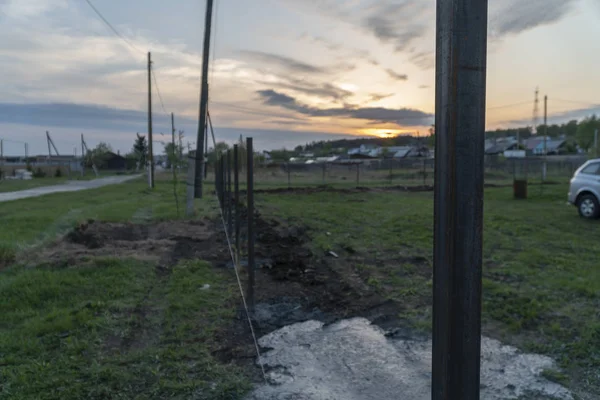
x=222 y=178
x=250 y=197
x=229 y=205
x=459 y=126
x=236 y=185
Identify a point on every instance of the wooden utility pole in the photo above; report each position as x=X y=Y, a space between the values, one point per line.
x=1 y=156
x=150 y=154
x=199 y=167
x=173 y=143
x=48 y=141
x=544 y=167
x=461 y=66
x=82 y=156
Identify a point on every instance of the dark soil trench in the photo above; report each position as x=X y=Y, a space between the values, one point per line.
x=292 y=284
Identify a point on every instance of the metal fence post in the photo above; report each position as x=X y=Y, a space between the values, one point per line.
x=323 y=172
x=236 y=185
x=357 y=174
x=218 y=178
x=250 y=199
x=289 y=176
x=391 y=171
x=458 y=205
x=229 y=205
x=222 y=181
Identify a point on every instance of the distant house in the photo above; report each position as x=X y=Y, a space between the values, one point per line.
x=551 y=147
x=533 y=142
x=321 y=160
x=365 y=151
x=411 y=151
x=115 y=162
x=499 y=146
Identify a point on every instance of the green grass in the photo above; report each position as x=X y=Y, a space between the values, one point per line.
x=110 y=328
x=541 y=274
x=35 y=220
x=114 y=329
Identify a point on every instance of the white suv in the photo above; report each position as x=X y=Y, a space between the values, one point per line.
x=584 y=191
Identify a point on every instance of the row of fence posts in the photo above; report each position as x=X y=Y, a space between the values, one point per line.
x=228 y=192
x=288 y=170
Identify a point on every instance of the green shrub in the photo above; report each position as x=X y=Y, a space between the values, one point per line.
x=38 y=173
x=7 y=255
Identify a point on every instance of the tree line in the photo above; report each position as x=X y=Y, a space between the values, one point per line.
x=137 y=157
x=577 y=133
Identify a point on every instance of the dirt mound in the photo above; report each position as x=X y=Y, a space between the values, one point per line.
x=165 y=243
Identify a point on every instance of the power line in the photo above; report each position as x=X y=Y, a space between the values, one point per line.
x=112 y=28
x=162 y=104
x=576 y=102
x=116 y=32
x=509 y=105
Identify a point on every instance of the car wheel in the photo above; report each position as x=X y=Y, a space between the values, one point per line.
x=588 y=206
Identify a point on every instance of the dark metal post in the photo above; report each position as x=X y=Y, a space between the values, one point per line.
x=289 y=176
x=229 y=205
x=222 y=178
x=219 y=177
x=199 y=173
x=217 y=180
x=458 y=206
x=323 y=172
x=357 y=174
x=391 y=171
x=225 y=199
x=424 y=172
x=236 y=185
x=206 y=151
x=250 y=197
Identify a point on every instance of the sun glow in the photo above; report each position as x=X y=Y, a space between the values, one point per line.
x=383 y=133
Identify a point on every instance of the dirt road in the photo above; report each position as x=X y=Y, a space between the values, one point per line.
x=71 y=186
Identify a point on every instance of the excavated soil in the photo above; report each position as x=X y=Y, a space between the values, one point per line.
x=164 y=243
x=294 y=285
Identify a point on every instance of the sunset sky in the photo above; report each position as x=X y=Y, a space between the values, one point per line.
x=284 y=71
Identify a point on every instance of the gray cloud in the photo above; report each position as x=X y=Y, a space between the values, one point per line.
x=395 y=75
x=291 y=65
x=319 y=40
x=285 y=62
x=423 y=59
x=325 y=90
x=396 y=23
x=401 y=117
x=86 y=116
x=519 y=16
x=560 y=117
x=379 y=96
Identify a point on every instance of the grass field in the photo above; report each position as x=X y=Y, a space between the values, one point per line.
x=541 y=274
x=117 y=327
x=110 y=327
